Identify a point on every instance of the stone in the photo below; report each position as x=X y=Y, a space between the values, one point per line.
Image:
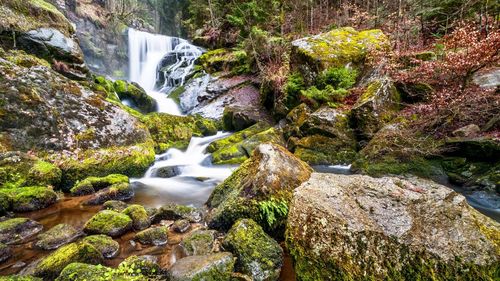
x=257 y=254
x=32 y=198
x=468 y=131
x=108 y=247
x=119 y=191
x=237 y=118
x=181 y=226
x=153 y=236
x=16 y=230
x=147 y=265
x=81 y=271
x=217 y=266
x=375 y=108
x=115 y=205
x=57 y=236
x=92 y=184
x=167 y=172
x=50 y=266
x=199 y=242
x=5 y=252
x=135 y=93
x=139 y=216
x=321 y=150
x=357 y=227
x=270 y=174
x=489 y=79
x=177 y=212
x=109 y=223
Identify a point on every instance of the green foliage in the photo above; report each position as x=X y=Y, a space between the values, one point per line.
x=293 y=87
x=273 y=211
x=338 y=77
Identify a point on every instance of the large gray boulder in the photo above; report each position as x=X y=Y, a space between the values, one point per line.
x=357 y=227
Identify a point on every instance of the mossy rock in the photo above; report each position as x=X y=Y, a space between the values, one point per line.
x=217 y=266
x=336 y=48
x=19 y=169
x=18 y=229
x=108 y=247
x=170 y=131
x=118 y=191
x=224 y=60
x=93 y=184
x=375 y=108
x=132 y=161
x=30 y=198
x=199 y=242
x=50 y=266
x=57 y=236
x=177 y=212
x=238 y=137
x=153 y=236
x=146 y=265
x=136 y=94
x=258 y=255
x=321 y=150
x=5 y=252
x=82 y=272
x=20 y=278
x=115 y=205
x=139 y=216
x=109 y=223
x=271 y=172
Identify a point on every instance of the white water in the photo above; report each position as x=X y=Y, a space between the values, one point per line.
x=196 y=176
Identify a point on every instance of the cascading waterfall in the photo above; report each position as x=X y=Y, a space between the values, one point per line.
x=184 y=177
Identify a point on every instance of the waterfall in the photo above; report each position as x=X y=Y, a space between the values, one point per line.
x=147 y=52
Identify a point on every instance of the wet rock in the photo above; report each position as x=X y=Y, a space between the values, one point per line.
x=199 y=242
x=109 y=223
x=5 y=252
x=136 y=94
x=57 y=236
x=81 y=271
x=115 y=205
x=139 y=216
x=16 y=230
x=210 y=267
x=176 y=131
x=258 y=255
x=177 y=212
x=181 y=226
x=50 y=266
x=167 y=172
x=20 y=278
x=376 y=106
x=321 y=150
x=358 y=227
x=108 y=247
x=153 y=236
x=119 y=191
x=237 y=118
x=146 y=265
x=336 y=48
x=272 y=171
x=92 y=184
x=32 y=198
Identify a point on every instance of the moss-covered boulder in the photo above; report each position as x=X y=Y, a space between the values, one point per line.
x=139 y=216
x=258 y=255
x=119 y=191
x=93 y=184
x=146 y=265
x=181 y=226
x=153 y=236
x=375 y=108
x=50 y=266
x=357 y=227
x=270 y=175
x=114 y=205
x=31 y=198
x=136 y=94
x=18 y=229
x=177 y=212
x=224 y=60
x=238 y=147
x=176 y=131
x=237 y=118
x=57 y=236
x=199 y=242
x=321 y=150
x=217 y=266
x=81 y=271
x=18 y=169
x=109 y=223
x=336 y=48
x=108 y=247
x=20 y=278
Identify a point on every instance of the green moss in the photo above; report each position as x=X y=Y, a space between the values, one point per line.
x=22 y=170
x=108 y=247
x=93 y=184
x=175 y=94
x=139 y=216
x=19 y=278
x=82 y=272
x=11 y=224
x=234 y=61
x=108 y=222
x=29 y=198
x=21 y=58
x=50 y=266
x=321 y=150
x=153 y=236
x=258 y=255
x=200 y=242
x=131 y=161
x=176 y=131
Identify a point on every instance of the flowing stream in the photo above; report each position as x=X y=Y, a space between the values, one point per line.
x=184 y=177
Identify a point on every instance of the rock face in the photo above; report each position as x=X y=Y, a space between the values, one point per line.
x=335 y=48
x=258 y=255
x=211 y=267
x=108 y=223
x=60 y=114
x=358 y=227
x=272 y=172
x=376 y=106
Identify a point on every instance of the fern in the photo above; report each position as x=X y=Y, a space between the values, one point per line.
x=273 y=211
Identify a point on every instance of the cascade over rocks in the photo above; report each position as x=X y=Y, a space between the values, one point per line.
x=355 y=227
x=271 y=172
